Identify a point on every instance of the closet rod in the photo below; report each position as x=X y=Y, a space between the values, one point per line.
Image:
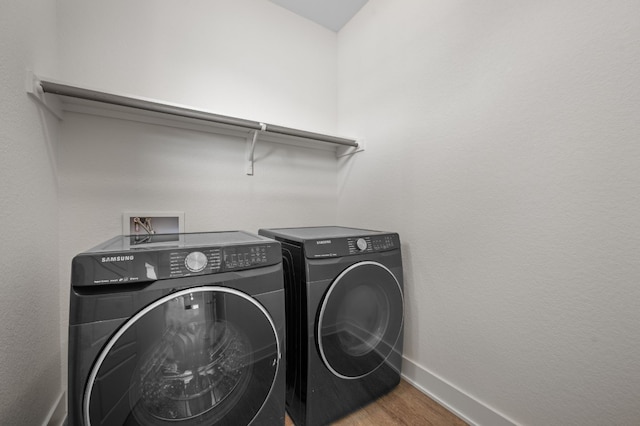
x=109 y=98
x=125 y=101
x=272 y=128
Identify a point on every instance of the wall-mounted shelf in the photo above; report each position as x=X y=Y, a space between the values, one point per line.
x=59 y=97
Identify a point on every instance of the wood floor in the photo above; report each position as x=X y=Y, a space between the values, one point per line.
x=405 y=405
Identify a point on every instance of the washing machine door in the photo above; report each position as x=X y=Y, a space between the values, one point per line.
x=360 y=320
x=207 y=355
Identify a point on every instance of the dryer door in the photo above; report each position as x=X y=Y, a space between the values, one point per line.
x=206 y=355
x=360 y=320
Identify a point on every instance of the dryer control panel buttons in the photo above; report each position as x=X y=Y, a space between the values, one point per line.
x=336 y=247
x=385 y=242
x=195 y=261
x=359 y=245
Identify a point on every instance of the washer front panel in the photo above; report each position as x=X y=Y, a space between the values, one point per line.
x=197 y=356
x=360 y=320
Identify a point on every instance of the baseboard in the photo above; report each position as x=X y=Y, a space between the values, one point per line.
x=56 y=415
x=464 y=406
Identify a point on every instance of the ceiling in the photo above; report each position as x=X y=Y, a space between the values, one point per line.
x=332 y=14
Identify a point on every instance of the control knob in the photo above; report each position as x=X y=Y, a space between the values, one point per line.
x=195 y=261
x=361 y=244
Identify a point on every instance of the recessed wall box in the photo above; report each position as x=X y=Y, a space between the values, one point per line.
x=144 y=223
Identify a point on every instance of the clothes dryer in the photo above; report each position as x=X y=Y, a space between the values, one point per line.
x=345 y=310
x=183 y=330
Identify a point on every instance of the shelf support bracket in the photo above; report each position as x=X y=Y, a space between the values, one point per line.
x=34 y=89
x=251 y=148
x=344 y=151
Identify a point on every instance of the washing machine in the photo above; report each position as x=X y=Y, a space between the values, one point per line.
x=177 y=329
x=345 y=310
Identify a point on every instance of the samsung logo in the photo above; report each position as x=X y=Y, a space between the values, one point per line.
x=323 y=242
x=117 y=259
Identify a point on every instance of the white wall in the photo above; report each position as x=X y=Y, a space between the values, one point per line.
x=245 y=58
x=502 y=143
x=29 y=344
x=109 y=166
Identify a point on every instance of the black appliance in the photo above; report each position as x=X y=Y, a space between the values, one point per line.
x=344 y=309
x=180 y=330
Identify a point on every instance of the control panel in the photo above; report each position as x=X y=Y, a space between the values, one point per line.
x=336 y=247
x=185 y=262
x=370 y=244
x=212 y=260
x=244 y=257
x=150 y=265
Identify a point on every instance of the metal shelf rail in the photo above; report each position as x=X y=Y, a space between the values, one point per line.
x=79 y=99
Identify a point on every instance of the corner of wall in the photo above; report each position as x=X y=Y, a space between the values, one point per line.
x=465 y=406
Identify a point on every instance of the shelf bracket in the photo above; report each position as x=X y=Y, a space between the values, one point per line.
x=251 y=148
x=344 y=151
x=34 y=89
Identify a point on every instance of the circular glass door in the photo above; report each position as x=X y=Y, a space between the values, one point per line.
x=360 y=320
x=205 y=355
